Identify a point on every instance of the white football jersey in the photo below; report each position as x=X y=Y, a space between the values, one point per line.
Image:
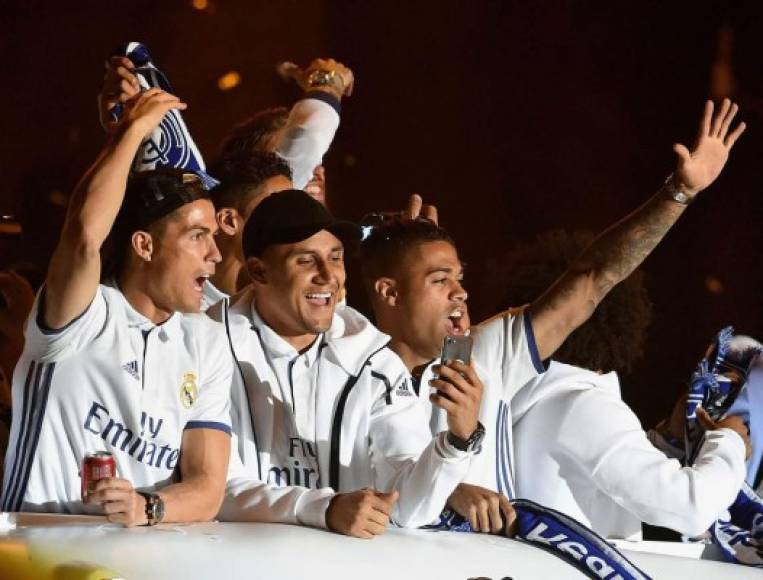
x=110 y=380
x=505 y=357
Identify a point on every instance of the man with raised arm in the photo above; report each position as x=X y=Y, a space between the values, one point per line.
x=579 y=448
x=299 y=138
x=329 y=428
x=413 y=274
x=118 y=367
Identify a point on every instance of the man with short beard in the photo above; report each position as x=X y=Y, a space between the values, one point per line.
x=329 y=427
x=413 y=274
x=579 y=447
x=118 y=367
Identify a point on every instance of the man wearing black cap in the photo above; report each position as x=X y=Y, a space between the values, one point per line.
x=327 y=420
x=117 y=367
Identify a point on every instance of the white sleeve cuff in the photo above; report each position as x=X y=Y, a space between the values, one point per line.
x=449 y=452
x=312 y=507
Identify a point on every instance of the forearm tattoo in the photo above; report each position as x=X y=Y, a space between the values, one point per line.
x=622 y=247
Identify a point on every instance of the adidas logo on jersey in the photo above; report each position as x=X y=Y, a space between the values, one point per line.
x=404 y=390
x=132 y=368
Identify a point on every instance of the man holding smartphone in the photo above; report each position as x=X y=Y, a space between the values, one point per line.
x=330 y=431
x=413 y=274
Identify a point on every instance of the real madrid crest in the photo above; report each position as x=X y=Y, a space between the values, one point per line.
x=189 y=392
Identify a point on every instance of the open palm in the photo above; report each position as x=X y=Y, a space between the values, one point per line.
x=699 y=168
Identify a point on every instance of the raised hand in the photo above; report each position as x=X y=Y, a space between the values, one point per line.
x=289 y=70
x=416 y=209
x=699 y=168
x=363 y=513
x=119 y=86
x=147 y=109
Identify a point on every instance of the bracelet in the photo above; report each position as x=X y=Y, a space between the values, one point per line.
x=673 y=193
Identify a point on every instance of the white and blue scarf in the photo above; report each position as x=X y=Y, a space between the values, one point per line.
x=170 y=144
x=740 y=535
x=562 y=536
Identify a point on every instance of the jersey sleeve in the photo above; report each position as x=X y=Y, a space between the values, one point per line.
x=249 y=499
x=603 y=435
x=212 y=408
x=506 y=344
x=309 y=131
x=405 y=456
x=50 y=345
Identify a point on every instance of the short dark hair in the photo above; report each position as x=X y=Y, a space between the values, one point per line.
x=240 y=174
x=613 y=338
x=150 y=199
x=250 y=135
x=387 y=242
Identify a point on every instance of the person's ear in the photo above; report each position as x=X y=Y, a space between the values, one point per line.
x=229 y=221
x=143 y=245
x=256 y=268
x=386 y=290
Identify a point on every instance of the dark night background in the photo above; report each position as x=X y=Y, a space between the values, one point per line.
x=512 y=117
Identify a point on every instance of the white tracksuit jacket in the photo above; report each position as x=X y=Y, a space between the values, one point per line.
x=369 y=429
x=581 y=450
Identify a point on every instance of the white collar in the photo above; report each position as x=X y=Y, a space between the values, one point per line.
x=275 y=345
x=135 y=319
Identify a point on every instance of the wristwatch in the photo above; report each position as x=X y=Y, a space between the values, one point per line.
x=473 y=443
x=674 y=193
x=154 y=508
x=325 y=78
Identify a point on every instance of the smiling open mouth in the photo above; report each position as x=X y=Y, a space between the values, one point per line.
x=319 y=298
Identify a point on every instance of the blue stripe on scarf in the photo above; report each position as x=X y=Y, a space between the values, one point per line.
x=561 y=535
x=170 y=144
x=741 y=538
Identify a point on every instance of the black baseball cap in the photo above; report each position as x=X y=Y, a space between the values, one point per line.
x=290 y=216
x=152 y=195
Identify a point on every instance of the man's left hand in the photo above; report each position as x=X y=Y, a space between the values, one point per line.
x=459 y=393
x=121 y=503
x=486 y=510
x=699 y=168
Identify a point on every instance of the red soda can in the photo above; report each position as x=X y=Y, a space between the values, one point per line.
x=95 y=466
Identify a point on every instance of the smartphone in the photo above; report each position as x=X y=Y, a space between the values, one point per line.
x=457 y=348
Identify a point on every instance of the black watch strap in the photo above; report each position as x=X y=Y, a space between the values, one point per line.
x=473 y=442
x=154 y=508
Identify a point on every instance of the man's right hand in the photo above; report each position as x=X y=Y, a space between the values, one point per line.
x=732 y=422
x=119 y=86
x=486 y=510
x=362 y=514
